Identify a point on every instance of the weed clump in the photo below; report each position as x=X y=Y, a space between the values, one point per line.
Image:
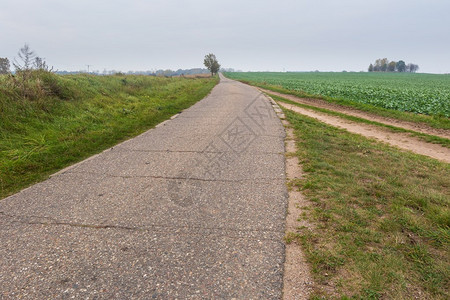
x=35 y=85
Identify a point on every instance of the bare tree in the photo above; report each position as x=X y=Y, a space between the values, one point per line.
x=26 y=57
x=4 y=65
x=24 y=65
x=413 y=68
x=211 y=63
x=378 y=65
x=40 y=64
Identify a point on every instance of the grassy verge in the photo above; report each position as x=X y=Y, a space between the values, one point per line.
x=381 y=217
x=432 y=121
x=425 y=137
x=64 y=119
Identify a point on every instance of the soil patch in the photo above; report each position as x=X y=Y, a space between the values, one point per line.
x=297 y=279
x=419 y=127
x=400 y=140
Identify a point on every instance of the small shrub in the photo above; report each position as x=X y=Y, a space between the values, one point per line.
x=36 y=85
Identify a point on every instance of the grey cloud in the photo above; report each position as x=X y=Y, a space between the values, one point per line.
x=249 y=35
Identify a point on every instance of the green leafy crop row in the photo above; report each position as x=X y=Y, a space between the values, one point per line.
x=418 y=93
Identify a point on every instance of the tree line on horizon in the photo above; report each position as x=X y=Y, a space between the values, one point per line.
x=28 y=61
x=384 y=65
x=38 y=63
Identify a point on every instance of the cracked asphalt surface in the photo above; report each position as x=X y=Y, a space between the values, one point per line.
x=194 y=208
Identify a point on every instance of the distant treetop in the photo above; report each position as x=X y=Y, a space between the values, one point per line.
x=384 y=65
x=211 y=63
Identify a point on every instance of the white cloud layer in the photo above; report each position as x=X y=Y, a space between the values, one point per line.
x=248 y=35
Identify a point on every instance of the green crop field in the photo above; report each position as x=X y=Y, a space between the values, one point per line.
x=418 y=93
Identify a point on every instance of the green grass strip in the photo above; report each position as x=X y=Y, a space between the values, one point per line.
x=380 y=216
x=66 y=119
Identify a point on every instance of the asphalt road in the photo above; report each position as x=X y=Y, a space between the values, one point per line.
x=194 y=208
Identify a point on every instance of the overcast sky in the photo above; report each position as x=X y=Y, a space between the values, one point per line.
x=257 y=35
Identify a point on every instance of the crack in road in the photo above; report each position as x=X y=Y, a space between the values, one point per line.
x=262 y=180
x=191 y=230
x=186 y=151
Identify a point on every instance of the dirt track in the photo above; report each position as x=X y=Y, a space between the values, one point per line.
x=401 y=140
x=422 y=128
